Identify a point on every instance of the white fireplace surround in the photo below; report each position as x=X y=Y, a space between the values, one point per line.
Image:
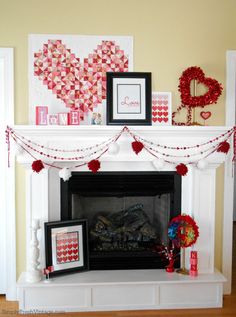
x=152 y=289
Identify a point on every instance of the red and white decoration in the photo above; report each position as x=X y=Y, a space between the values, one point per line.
x=67 y=247
x=161 y=108
x=193 y=263
x=68 y=72
x=129 y=289
x=90 y=156
x=189 y=100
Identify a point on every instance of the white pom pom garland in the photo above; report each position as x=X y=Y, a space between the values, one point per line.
x=65 y=174
x=158 y=164
x=113 y=149
x=202 y=164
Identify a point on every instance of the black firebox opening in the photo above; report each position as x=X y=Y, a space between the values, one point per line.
x=128 y=215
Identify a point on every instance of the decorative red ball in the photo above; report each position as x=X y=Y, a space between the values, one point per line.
x=37 y=166
x=196 y=73
x=223 y=147
x=137 y=146
x=94 y=165
x=182 y=169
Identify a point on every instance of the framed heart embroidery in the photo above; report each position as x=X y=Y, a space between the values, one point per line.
x=161 y=108
x=68 y=72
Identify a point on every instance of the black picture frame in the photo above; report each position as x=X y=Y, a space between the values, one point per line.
x=129 y=98
x=66 y=246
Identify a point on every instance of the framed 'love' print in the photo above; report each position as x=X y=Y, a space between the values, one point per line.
x=66 y=246
x=128 y=98
x=161 y=108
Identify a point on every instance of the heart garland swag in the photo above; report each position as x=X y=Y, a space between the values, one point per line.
x=90 y=156
x=187 y=100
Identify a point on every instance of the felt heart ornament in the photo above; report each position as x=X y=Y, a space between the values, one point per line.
x=79 y=84
x=205 y=114
x=210 y=97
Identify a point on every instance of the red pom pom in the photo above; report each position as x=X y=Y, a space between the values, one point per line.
x=37 y=166
x=94 y=165
x=223 y=147
x=137 y=146
x=182 y=169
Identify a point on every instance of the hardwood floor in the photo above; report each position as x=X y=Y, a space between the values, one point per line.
x=229 y=309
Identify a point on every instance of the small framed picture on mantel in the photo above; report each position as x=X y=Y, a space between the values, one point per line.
x=129 y=98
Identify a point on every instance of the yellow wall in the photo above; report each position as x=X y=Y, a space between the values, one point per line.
x=169 y=36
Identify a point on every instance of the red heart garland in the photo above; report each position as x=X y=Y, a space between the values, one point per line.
x=94 y=165
x=210 y=97
x=223 y=147
x=137 y=146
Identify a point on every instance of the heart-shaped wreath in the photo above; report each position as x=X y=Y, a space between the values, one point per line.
x=189 y=101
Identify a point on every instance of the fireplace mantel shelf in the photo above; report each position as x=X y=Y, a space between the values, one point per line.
x=94 y=130
x=68 y=137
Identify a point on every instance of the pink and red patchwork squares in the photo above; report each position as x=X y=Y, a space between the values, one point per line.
x=67 y=247
x=79 y=84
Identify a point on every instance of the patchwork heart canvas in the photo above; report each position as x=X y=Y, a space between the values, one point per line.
x=161 y=108
x=68 y=72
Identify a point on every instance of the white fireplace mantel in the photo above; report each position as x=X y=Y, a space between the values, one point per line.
x=198 y=199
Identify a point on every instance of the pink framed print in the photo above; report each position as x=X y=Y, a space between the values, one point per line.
x=161 y=108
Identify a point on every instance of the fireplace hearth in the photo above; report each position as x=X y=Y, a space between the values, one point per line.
x=128 y=215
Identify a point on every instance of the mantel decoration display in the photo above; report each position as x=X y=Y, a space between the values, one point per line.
x=190 y=100
x=177 y=156
x=183 y=232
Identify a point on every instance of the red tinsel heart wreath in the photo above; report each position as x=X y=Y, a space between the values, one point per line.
x=210 y=97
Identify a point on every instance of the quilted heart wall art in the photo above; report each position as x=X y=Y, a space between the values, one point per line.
x=68 y=72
